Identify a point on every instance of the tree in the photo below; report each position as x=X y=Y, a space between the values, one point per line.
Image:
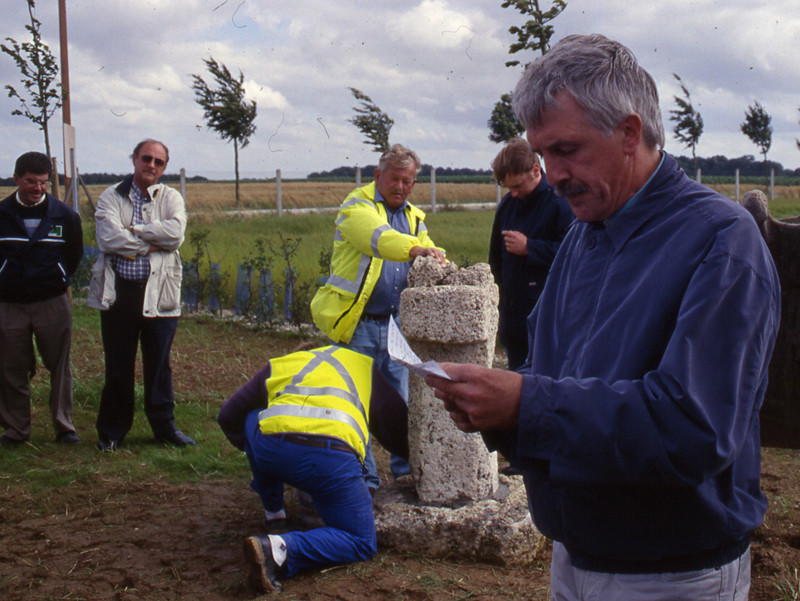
x=688 y=122
x=796 y=140
x=503 y=123
x=41 y=97
x=225 y=109
x=757 y=126
x=371 y=121
x=534 y=35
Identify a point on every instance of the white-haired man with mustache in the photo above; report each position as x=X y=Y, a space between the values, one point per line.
x=635 y=420
x=378 y=235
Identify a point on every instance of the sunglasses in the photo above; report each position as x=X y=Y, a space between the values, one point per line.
x=147 y=159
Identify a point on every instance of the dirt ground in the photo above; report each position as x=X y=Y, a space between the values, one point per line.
x=152 y=541
x=123 y=540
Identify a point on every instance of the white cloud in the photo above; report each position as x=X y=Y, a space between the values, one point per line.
x=435 y=66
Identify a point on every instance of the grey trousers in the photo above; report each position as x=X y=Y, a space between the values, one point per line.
x=49 y=322
x=731 y=582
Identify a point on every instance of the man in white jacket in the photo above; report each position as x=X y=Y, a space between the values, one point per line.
x=136 y=283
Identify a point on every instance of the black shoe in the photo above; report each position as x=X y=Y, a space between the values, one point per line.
x=175 y=437
x=68 y=438
x=107 y=445
x=10 y=443
x=263 y=569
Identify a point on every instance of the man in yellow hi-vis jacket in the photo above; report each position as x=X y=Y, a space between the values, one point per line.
x=378 y=234
x=304 y=420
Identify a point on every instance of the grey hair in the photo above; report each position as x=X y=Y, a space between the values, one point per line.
x=602 y=76
x=399 y=156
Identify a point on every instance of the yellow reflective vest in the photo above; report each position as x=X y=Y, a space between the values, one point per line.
x=363 y=239
x=324 y=391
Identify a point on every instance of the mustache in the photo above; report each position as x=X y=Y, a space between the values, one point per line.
x=569 y=189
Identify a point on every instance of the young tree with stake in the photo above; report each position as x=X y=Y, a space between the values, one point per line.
x=688 y=122
x=38 y=68
x=225 y=109
x=534 y=35
x=757 y=126
x=372 y=122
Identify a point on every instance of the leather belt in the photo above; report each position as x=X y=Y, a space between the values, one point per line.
x=321 y=442
x=374 y=317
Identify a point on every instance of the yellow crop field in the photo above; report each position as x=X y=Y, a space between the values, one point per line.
x=211 y=197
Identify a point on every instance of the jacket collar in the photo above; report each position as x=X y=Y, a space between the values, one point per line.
x=11 y=201
x=655 y=195
x=124 y=188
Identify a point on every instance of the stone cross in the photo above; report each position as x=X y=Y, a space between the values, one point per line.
x=448 y=314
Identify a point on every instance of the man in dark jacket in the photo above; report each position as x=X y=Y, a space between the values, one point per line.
x=41 y=245
x=529 y=225
x=635 y=420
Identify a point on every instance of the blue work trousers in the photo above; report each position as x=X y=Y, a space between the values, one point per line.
x=371 y=338
x=334 y=480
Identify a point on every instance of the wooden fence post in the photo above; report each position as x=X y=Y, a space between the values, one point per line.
x=433 y=189
x=772 y=184
x=279 y=196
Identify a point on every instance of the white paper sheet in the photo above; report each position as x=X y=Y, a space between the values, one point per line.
x=399 y=351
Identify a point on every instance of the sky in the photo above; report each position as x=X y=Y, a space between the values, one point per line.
x=436 y=67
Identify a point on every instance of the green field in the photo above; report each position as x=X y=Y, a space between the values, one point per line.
x=219 y=233
x=300 y=241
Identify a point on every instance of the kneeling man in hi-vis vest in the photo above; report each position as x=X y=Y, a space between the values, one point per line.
x=304 y=420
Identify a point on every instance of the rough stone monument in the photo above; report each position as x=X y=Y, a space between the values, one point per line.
x=456 y=504
x=780 y=414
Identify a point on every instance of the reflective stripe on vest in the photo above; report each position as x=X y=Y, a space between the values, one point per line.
x=348 y=392
x=350 y=285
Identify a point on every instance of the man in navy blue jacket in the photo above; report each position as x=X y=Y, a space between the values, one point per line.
x=41 y=245
x=635 y=421
x=528 y=228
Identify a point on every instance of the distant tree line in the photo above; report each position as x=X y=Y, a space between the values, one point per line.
x=718 y=165
x=349 y=173
x=112 y=178
x=722 y=165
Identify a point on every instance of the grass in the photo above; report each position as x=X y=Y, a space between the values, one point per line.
x=204 y=379
x=211 y=358
x=788 y=585
x=302 y=240
x=232 y=239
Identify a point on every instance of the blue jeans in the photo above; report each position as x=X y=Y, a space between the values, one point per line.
x=371 y=338
x=335 y=482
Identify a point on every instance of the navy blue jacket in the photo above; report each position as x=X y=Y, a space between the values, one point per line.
x=544 y=217
x=638 y=432
x=38 y=268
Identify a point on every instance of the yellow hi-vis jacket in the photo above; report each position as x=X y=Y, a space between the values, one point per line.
x=324 y=391
x=363 y=239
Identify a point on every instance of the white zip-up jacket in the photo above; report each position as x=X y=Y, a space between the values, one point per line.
x=164 y=226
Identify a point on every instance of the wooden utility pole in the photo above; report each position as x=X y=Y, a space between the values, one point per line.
x=66 y=118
